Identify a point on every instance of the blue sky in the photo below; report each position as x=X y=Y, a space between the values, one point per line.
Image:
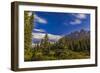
x=59 y=24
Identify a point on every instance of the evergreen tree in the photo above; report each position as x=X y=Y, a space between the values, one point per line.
x=28 y=26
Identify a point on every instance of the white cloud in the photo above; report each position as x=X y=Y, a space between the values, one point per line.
x=39 y=30
x=39 y=19
x=41 y=36
x=80 y=16
x=54 y=37
x=75 y=22
x=38 y=35
x=78 y=19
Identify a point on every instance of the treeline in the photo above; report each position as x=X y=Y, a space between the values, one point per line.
x=65 y=48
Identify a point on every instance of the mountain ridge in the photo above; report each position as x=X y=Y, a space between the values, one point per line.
x=73 y=35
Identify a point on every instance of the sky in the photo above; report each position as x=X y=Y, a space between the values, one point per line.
x=57 y=24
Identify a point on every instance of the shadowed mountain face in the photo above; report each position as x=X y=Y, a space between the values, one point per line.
x=79 y=34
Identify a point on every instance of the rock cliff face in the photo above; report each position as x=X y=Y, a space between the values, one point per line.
x=79 y=34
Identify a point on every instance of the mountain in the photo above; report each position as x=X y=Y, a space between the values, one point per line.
x=73 y=35
x=78 y=34
x=37 y=41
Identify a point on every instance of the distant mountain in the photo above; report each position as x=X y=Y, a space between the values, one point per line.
x=73 y=35
x=37 y=41
x=78 y=34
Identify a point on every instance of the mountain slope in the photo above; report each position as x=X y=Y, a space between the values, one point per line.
x=78 y=34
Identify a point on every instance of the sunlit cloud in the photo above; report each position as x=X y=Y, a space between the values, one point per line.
x=42 y=35
x=39 y=30
x=76 y=21
x=39 y=19
x=80 y=16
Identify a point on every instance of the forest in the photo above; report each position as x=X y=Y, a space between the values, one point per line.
x=75 y=45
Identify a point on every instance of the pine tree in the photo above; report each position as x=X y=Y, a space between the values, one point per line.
x=28 y=26
x=46 y=44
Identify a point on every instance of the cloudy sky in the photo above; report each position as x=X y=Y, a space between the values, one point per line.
x=58 y=24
